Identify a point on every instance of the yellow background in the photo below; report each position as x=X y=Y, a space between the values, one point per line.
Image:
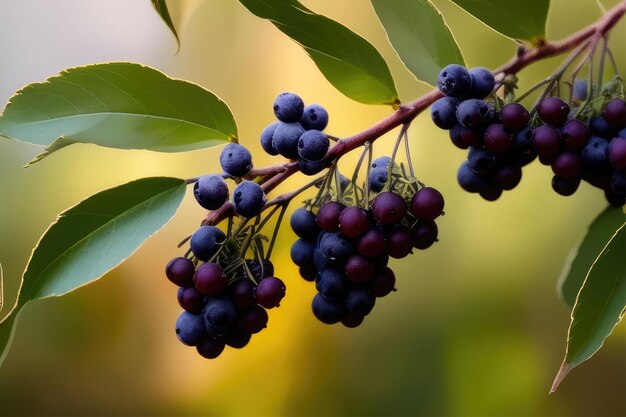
x=476 y=328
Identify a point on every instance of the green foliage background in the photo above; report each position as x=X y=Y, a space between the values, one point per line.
x=476 y=327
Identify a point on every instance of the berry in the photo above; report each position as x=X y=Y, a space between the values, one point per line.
x=288 y=107
x=353 y=222
x=546 y=141
x=579 y=90
x=600 y=127
x=302 y=252
x=308 y=272
x=523 y=140
x=596 y=152
x=352 y=320
x=314 y=117
x=190 y=328
x=553 y=111
x=400 y=242
x=326 y=311
x=219 y=315
x=472 y=113
x=180 y=271
x=236 y=160
x=191 y=300
x=210 y=279
x=285 y=139
x=427 y=204
x=424 y=234
x=320 y=261
x=443 y=112
x=565 y=187
x=483 y=83
x=480 y=161
x=270 y=292
x=615 y=113
x=237 y=339
x=248 y=198
x=377 y=179
x=389 y=208
x=211 y=191
x=335 y=247
x=311 y=167
x=508 y=176
x=360 y=301
x=574 y=135
x=252 y=320
x=463 y=137
x=266 y=139
x=359 y=269
x=618 y=183
x=514 y=116
x=333 y=284
x=372 y=244
x=303 y=223
x=617 y=153
x=241 y=293
x=491 y=191
x=382 y=162
x=383 y=283
x=454 y=81
x=313 y=145
x=210 y=348
x=468 y=179
x=206 y=241
x=498 y=139
x=328 y=216
x=568 y=165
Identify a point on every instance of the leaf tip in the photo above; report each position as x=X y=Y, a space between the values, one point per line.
x=560 y=376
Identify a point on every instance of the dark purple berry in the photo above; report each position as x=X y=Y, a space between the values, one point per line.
x=454 y=81
x=427 y=204
x=360 y=300
x=241 y=293
x=463 y=137
x=574 y=135
x=616 y=200
x=372 y=244
x=190 y=328
x=568 y=165
x=352 y=320
x=443 y=112
x=400 y=241
x=191 y=300
x=211 y=191
x=285 y=139
x=546 y=141
x=617 y=153
x=359 y=268
x=553 y=111
x=618 y=182
x=270 y=292
x=328 y=216
x=498 y=139
x=313 y=145
x=253 y=320
x=326 y=311
x=180 y=271
x=615 y=113
x=424 y=234
x=210 y=279
x=308 y=272
x=237 y=339
x=508 y=176
x=210 y=348
x=383 y=283
x=353 y=222
x=565 y=187
x=314 y=117
x=248 y=199
x=288 y=107
x=389 y=208
x=236 y=160
x=483 y=83
x=472 y=113
x=491 y=191
x=206 y=241
x=266 y=139
x=514 y=116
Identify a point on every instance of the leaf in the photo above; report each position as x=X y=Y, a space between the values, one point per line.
x=582 y=257
x=95 y=236
x=161 y=8
x=7 y=327
x=420 y=36
x=176 y=14
x=599 y=306
x=119 y=105
x=349 y=62
x=513 y=18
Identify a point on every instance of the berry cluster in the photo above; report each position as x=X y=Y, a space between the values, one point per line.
x=501 y=142
x=298 y=133
x=345 y=249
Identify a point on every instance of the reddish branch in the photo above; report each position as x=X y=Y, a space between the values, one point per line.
x=272 y=176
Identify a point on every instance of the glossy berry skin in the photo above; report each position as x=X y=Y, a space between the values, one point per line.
x=472 y=113
x=270 y=292
x=266 y=139
x=302 y=252
x=480 y=161
x=241 y=293
x=314 y=117
x=209 y=279
x=400 y=242
x=252 y=320
x=389 y=208
x=313 y=145
x=359 y=269
x=236 y=160
x=564 y=186
x=454 y=81
x=333 y=284
x=443 y=112
x=327 y=311
x=335 y=247
x=303 y=223
x=483 y=83
x=206 y=241
x=617 y=153
x=546 y=141
x=568 y=165
x=191 y=300
x=514 y=116
x=180 y=271
x=596 y=152
x=553 y=111
x=498 y=138
x=615 y=113
x=285 y=139
x=508 y=176
x=377 y=179
x=328 y=216
x=360 y=300
x=424 y=234
x=248 y=199
x=190 y=328
x=383 y=283
x=372 y=243
x=427 y=204
x=210 y=348
x=352 y=320
x=574 y=135
x=353 y=222
x=211 y=191
x=288 y=107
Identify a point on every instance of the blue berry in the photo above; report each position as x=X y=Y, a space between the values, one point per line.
x=266 y=139
x=596 y=152
x=313 y=145
x=463 y=137
x=600 y=127
x=311 y=167
x=472 y=113
x=381 y=162
x=468 y=179
x=360 y=301
x=285 y=139
x=219 y=315
x=288 y=107
x=320 y=261
x=443 y=112
x=377 y=179
x=302 y=252
x=336 y=247
x=481 y=161
x=483 y=83
x=248 y=198
x=579 y=90
x=333 y=284
x=622 y=133
x=211 y=191
x=206 y=241
x=314 y=117
x=236 y=160
x=190 y=328
x=454 y=81
x=303 y=223
x=328 y=312
x=523 y=140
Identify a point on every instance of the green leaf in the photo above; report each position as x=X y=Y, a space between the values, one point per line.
x=161 y=8
x=119 y=105
x=599 y=307
x=582 y=257
x=95 y=236
x=348 y=61
x=513 y=18
x=7 y=327
x=420 y=36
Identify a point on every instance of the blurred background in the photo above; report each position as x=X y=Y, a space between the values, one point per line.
x=475 y=328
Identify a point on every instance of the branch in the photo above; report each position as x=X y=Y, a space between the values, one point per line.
x=406 y=113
